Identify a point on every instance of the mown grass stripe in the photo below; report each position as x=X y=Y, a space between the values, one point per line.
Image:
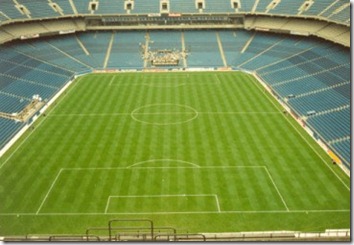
x=217 y=142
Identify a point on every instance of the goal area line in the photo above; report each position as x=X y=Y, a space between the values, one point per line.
x=156 y=200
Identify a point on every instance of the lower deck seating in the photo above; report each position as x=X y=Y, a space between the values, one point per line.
x=203 y=49
x=126 y=51
x=342 y=148
x=8 y=128
x=11 y=104
x=322 y=101
x=331 y=126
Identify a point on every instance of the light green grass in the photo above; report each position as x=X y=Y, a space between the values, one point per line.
x=201 y=152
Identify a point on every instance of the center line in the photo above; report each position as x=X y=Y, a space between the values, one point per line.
x=168 y=113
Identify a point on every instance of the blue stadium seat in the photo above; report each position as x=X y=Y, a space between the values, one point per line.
x=337 y=12
x=111 y=7
x=343 y=149
x=183 y=6
x=203 y=48
x=332 y=126
x=8 y=128
x=65 y=6
x=39 y=8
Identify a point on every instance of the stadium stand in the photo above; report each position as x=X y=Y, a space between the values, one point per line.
x=71 y=48
x=336 y=11
x=262 y=6
x=318 y=7
x=332 y=126
x=8 y=128
x=298 y=52
x=146 y=7
x=247 y=6
x=65 y=6
x=318 y=102
x=39 y=9
x=96 y=44
x=233 y=42
x=11 y=104
x=125 y=52
x=111 y=7
x=159 y=41
x=287 y=7
x=215 y=6
x=343 y=148
x=3 y=17
x=82 y=6
x=203 y=48
x=8 y=9
x=50 y=53
x=342 y=16
x=26 y=89
x=183 y=6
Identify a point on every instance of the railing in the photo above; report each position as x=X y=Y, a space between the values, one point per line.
x=169 y=234
x=144 y=230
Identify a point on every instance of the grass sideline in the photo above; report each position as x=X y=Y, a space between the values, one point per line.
x=169 y=134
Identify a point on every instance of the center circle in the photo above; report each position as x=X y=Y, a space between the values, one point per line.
x=164 y=114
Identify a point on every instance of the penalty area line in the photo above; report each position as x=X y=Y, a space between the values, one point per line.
x=50 y=189
x=276 y=188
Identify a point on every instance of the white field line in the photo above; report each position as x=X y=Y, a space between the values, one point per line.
x=50 y=189
x=180 y=195
x=122 y=168
x=217 y=79
x=121 y=84
x=161 y=85
x=164 y=160
x=164 y=85
x=107 y=204
x=276 y=188
x=39 y=124
x=217 y=203
x=166 y=113
x=193 y=212
x=111 y=81
x=308 y=143
x=240 y=112
x=166 y=195
x=90 y=114
x=167 y=77
x=193 y=166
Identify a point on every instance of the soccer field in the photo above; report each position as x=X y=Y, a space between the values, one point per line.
x=198 y=151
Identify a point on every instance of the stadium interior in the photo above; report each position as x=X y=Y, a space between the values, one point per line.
x=299 y=49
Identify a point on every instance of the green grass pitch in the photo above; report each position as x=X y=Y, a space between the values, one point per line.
x=200 y=152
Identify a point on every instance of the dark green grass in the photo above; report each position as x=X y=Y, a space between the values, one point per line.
x=201 y=152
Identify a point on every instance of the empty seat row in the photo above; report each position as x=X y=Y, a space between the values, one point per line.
x=338 y=12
